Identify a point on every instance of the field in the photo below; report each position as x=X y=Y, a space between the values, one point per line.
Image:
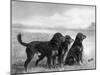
x=18 y=55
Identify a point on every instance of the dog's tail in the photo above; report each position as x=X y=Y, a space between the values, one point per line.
x=20 y=40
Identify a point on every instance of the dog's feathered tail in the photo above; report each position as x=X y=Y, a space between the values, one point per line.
x=20 y=40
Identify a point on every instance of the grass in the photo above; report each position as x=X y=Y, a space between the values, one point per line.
x=18 y=53
x=18 y=67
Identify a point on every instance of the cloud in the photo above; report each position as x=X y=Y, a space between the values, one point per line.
x=53 y=15
x=75 y=18
x=23 y=10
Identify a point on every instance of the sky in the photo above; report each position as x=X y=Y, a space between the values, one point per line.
x=52 y=16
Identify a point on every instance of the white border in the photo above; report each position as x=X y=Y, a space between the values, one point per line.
x=5 y=36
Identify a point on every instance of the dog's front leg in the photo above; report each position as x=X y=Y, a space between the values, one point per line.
x=49 y=61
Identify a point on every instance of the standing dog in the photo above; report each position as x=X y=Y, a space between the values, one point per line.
x=63 y=49
x=44 y=47
x=75 y=53
x=50 y=50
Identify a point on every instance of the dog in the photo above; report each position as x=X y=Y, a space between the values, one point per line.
x=47 y=50
x=63 y=48
x=44 y=47
x=50 y=50
x=74 y=55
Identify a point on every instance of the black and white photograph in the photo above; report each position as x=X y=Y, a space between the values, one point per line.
x=52 y=37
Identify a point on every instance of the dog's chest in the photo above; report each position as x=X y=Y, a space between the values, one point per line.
x=79 y=48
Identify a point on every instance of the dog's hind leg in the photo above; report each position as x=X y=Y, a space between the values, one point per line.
x=26 y=63
x=29 y=58
x=40 y=58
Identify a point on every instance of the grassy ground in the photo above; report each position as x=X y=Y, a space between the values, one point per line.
x=19 y=68
x=18 y=53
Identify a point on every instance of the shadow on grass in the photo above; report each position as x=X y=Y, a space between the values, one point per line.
x=18 y=67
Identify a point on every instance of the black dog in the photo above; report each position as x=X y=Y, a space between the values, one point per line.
x=50 y=50
x=75 y=53
x=47 y=50
x=63 y=49
x=44 y=47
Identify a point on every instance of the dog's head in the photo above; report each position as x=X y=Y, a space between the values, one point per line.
x=57 y=39
x=68 y=39
x=80 y=37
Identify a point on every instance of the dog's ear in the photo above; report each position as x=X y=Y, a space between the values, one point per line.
x=62 y=39
x=56 y=39
x=79 y=35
